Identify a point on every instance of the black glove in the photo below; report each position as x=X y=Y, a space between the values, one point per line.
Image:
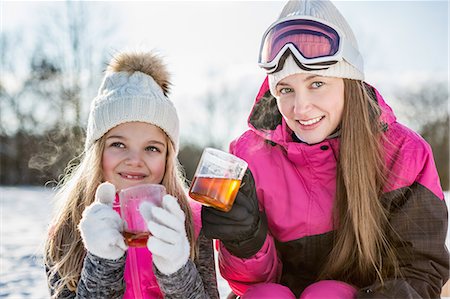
x=243 y=229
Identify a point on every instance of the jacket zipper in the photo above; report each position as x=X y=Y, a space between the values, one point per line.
x=134 y=271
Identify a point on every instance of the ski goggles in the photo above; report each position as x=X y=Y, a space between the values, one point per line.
x=313 y=44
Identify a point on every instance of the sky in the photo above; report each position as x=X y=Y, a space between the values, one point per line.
x=211 y=44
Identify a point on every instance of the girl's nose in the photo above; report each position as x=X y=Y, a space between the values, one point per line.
x=302 y=105
x=133 y=158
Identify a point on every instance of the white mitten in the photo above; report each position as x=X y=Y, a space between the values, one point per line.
x=101 y=226
x=168 y=244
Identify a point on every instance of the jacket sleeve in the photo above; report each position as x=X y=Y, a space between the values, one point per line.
x=419 y=223
x=241 y=273
x=206 y=266
x=193 y=280
x=100 y=278
x=185 y=283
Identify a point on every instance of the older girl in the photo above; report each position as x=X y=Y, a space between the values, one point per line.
x=342 y=200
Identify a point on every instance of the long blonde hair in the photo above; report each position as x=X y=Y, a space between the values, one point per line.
x=362 y=251
x=64 y=250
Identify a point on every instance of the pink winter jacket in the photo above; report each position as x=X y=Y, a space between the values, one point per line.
x=295 y=185
x=134 y=276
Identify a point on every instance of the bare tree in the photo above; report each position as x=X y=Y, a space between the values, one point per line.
x=221 y=114
x=428 y=108
x=80 y=54
x=43 y=91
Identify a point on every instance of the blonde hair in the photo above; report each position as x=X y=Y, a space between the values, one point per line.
x=362 y=251
x=64 y=250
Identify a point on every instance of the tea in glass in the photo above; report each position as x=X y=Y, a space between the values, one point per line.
x=217 y=179
x=136 y=239
x=136 y=233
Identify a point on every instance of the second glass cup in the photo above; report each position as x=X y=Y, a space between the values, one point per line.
x=136 y=233
x=217 y=179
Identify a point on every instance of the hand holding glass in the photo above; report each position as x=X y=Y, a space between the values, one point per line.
x=217 y=179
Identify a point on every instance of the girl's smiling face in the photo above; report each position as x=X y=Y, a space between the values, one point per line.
x=311 y=105
x=135 y=153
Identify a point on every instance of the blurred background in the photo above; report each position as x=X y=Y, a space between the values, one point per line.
x=53 y=55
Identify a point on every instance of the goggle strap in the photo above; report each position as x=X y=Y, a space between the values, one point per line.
x=306 y=67
x=353 y=56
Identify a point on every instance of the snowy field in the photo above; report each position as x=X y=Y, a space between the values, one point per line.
x=25 y=213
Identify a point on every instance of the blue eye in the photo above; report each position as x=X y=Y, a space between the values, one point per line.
x=317 y=84
x=117 y=144
x=152 y=149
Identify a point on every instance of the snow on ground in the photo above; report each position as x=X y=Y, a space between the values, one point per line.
x=25 y=213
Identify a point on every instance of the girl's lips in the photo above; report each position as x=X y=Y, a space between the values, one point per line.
x=311 y=123
x=132 y=176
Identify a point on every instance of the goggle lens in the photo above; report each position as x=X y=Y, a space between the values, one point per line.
x=311 y=39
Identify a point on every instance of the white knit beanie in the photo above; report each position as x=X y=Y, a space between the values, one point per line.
x=134 y=88
x=326 y=11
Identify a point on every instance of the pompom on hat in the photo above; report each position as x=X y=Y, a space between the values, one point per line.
x=135 y=88
x=320 y=10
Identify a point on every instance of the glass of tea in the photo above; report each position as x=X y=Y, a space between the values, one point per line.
x=217 y=179
x=136 y=233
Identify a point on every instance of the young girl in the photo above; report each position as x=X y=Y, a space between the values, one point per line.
x=342 y=201
x=132 y=138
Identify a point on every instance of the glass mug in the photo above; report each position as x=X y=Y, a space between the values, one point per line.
x=136 y=232
x=217 y=179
